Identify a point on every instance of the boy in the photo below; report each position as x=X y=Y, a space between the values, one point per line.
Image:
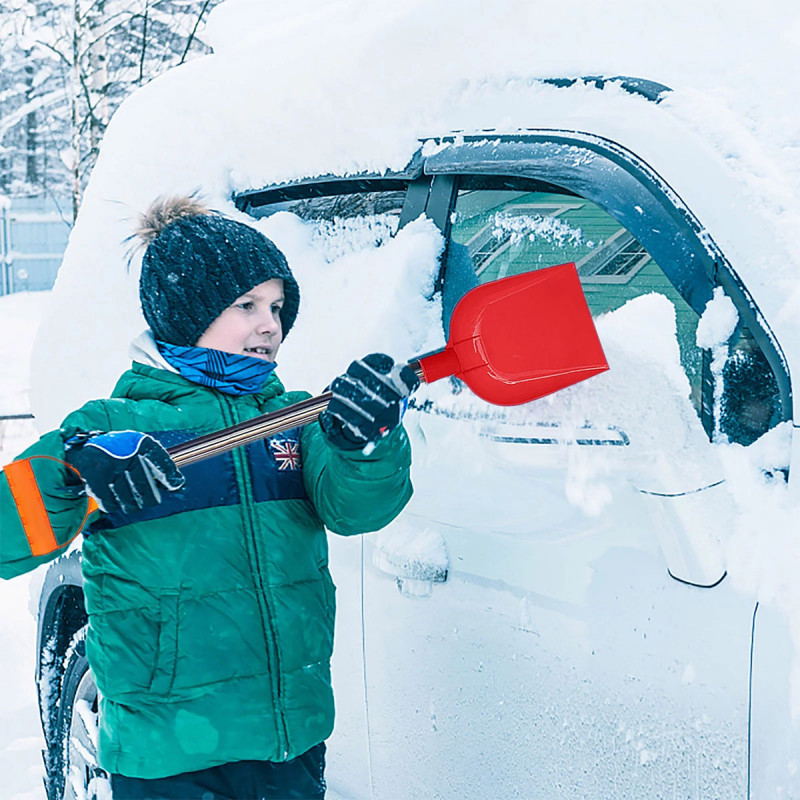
x=210 y=604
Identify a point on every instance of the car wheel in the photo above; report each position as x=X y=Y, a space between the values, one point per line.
x=78 y=775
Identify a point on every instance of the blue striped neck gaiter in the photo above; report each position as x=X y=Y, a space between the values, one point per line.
x=230 y=373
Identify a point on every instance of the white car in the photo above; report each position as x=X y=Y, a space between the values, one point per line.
x=552 y=616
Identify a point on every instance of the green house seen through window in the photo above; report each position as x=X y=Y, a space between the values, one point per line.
x=508 y=232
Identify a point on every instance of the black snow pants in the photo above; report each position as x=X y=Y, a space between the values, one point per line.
x=301 y=778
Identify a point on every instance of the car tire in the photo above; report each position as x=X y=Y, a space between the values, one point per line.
x=73 y=770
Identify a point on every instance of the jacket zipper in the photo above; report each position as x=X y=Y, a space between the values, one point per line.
x=267 y=620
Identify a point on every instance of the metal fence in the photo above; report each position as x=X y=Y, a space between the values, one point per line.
x=33 y=237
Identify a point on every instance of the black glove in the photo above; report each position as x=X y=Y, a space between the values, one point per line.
x=121 y=469
x=369 y=400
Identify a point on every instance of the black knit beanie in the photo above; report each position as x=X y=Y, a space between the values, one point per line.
x=197 y=262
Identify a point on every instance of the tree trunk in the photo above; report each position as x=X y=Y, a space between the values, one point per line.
x=75 y=109
x=31 y=129
x=98 y=75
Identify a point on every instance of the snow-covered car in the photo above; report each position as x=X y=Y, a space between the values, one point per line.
x=567 y=607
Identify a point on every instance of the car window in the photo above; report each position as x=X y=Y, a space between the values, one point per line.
x=505 y=228
x=345 y=216
x=507 y=232
x=750 y=402
x=336 y=206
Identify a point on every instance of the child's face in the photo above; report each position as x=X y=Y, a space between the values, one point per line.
x=251 y=325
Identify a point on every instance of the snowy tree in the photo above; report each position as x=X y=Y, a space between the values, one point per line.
x=65 y=65
x=19 y=103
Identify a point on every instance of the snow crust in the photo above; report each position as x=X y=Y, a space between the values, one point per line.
x=718 y=321
x=356 y=297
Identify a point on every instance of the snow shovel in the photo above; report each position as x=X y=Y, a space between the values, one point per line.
x=511 y=341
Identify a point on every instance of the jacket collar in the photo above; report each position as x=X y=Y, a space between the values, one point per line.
x=144 y=350
x=150 y=364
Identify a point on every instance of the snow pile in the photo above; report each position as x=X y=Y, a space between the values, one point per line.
x=715 y=327
x=260 y=111
x=368 y=299
x=405 y=550
x=19 y=320
x=338 y=237
x=21 y=739
x=717 y=322
x=645 y=396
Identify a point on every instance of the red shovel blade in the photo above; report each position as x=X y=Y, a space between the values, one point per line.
x=520 y=338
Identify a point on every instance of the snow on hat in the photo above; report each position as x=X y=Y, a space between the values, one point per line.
x=197 y=262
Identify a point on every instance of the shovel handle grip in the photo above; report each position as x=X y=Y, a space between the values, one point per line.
x=251 y=430
x=434 y=366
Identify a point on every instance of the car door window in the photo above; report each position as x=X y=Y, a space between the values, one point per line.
x=750 y=402
x=335 y=206
x=507 y=232
x=347 y=219
x=501 y=227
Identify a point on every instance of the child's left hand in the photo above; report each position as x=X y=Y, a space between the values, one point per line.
x=121 y=469
x=369 y=401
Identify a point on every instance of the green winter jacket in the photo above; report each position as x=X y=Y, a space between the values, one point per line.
x=211 y=615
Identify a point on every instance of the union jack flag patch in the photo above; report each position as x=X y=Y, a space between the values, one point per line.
x=287 y=454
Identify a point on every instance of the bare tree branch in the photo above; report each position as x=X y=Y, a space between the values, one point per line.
x=194 y=31
x=54 y=50
x=144 y=41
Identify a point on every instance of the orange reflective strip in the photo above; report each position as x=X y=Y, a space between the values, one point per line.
x=30 y=507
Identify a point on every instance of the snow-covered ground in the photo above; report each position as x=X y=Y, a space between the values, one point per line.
x=21 y=742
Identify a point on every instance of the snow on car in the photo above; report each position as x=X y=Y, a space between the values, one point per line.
x=590 y=595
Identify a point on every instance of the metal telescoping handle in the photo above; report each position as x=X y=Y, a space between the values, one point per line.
x=251 y=430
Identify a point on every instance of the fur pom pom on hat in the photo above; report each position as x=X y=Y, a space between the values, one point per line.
x=197 y=262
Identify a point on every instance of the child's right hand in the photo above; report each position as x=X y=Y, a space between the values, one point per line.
x=121 y=469
x=368 y=401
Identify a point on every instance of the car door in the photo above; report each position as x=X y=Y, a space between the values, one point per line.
x=551 y=615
